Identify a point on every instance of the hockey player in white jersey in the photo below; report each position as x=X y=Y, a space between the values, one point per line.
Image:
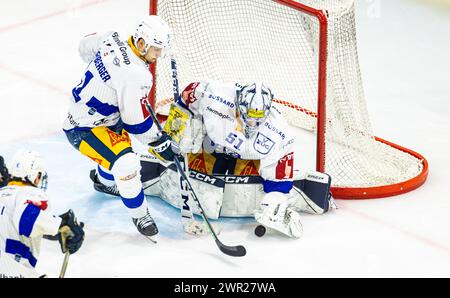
x=110 y=104
x=25 y=218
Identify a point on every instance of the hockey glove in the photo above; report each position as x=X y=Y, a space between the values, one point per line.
x=4 y=175
x=71 y=234
x=165 y=149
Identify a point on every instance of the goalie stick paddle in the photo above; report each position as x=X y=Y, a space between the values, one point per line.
x=234 y=251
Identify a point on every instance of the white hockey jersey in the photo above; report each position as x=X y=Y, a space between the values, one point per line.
x=115 y=87
x=272 y=144
x=24 y=219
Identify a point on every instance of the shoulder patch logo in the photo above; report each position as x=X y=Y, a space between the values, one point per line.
x=116 y=61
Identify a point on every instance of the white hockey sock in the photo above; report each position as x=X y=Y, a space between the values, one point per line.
x=105 y=176
x=127 y=176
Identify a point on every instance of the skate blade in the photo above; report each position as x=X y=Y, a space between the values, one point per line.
x=153 y=239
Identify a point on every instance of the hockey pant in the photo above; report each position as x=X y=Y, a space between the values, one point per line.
x=110 y=148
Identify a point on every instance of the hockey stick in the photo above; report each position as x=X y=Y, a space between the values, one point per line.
x=234 y=251
x=186 y=212
x=64 y=265
x=66 y=255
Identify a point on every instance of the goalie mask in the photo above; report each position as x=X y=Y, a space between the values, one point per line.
x=27 y=166
x=253 y=104
x=154 y=31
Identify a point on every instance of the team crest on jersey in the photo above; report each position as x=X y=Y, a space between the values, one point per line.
x=41 y=204
x=263 y=144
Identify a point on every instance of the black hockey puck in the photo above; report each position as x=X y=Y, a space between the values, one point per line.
x=260 y=230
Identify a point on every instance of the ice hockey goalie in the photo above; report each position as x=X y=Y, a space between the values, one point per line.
x=240 y=158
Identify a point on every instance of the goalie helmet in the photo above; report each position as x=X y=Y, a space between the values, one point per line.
x=253 y=104
x=27 y=166
x=154 y=31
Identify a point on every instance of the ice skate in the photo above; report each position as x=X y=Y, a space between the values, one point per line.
x=147 y=227
x=100 y=187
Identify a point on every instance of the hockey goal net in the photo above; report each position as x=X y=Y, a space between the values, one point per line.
x=306 y=52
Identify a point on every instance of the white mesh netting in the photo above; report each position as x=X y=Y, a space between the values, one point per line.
x=262 y=40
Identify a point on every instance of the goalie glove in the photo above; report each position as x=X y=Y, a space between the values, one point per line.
x=274 y=212
x=192 y=140
x=185 y=128
x=164 y=149
x=311 y=193
x=71 y=234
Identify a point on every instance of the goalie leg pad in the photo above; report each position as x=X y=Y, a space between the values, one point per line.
x=311 y=194
x=241 y=199
x=209 y=191
x=151 y=172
